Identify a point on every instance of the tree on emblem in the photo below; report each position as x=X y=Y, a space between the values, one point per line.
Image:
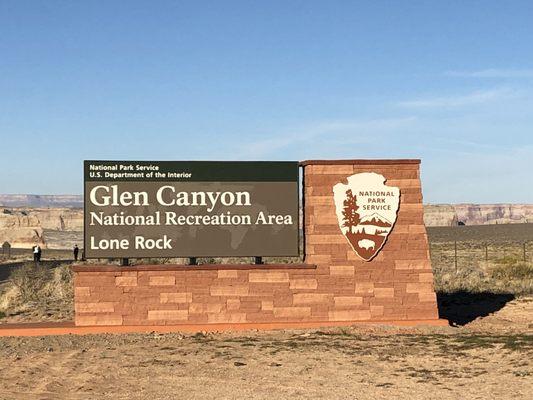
x=349 y=212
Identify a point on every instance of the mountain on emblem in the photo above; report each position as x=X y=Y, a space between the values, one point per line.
x=366 y=211
x=376 y=220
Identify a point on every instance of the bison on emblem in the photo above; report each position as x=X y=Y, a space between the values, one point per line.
x=366 y=211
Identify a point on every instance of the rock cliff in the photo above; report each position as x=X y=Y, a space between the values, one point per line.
x=24 y=227
x=24 y=238
x=36 y=200
x=477 y=214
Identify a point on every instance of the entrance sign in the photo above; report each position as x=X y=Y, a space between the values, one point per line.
x=366 y=210
x=349 y=206
x=190 y=209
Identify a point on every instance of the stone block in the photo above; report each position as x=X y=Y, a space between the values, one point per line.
x=311 y=298
x=326 y=239
x=303 y=283
x=376 y=311
x=364 y=287
x=425 y=277
x=94 y=307
x=348 y=301
x=229 y=290
x=168 y=315
x=223 y=274
x=427 y=297
x=292 y=312
x=318 y=259
x=269 y=277
x=199 y=308
x=342 y=270
x=419 y=288
x=166 y=280
x=383 y=292
x=233 y=304
x=100 y=320
x=126 y=280
x=82 y=291
x=349 y=315
x=175 y=297
x=226 y=318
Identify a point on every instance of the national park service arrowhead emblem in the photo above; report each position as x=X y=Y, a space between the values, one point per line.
x=366 y=210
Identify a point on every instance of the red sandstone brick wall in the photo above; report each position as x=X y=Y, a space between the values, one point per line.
x=396 y=285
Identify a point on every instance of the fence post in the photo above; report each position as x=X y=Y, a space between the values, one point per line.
x=455 y=254
x=525 y=255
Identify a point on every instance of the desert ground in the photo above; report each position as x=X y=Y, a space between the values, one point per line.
x=487 y=351
x=488 y=359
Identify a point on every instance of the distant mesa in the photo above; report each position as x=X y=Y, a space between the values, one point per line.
x=477 y=214
x=50 y=227
x=41 y=201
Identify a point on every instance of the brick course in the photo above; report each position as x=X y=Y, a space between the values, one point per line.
x=334 y=285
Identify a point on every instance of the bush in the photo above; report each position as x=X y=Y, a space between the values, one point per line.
x=38 y=293
x=39 y=283
x=29 y=280
x=60 y=287
x=512 y=271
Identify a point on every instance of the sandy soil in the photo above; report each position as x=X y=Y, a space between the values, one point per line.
x=486 y=355
x=488 y=358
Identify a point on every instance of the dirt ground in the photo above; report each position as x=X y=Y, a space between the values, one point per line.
x=487 y=353
x=488 y=358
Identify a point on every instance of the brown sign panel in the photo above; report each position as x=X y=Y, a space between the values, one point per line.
x=190 y=209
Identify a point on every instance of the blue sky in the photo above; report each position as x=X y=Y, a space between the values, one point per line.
x=448 y=82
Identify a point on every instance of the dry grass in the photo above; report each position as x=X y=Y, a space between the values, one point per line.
x=29 y=280
x=485 y=258
x=510 y=269
x=38 y=293
x=505 y=272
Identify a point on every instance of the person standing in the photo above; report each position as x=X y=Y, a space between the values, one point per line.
x=35 y=251
x=76 y=250
x=39 y=253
